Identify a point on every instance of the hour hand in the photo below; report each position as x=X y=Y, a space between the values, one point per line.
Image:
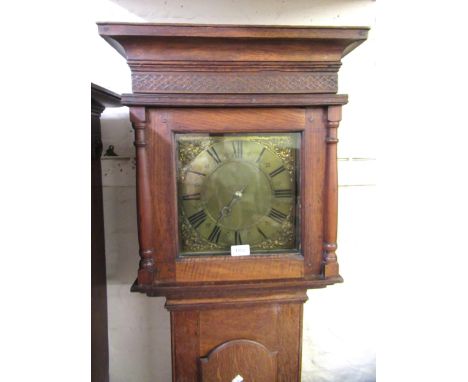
x=226 y=210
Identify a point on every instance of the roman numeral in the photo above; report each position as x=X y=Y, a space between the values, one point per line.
x=237 y=147
x=214 y=235
x=197 y=218
x=282 y=193
x=191 y=196
x=262 y=233
x=196 y=172
x=260 y=156
x=214 y=155
x=279 y=170
x=277 y=216
x=237 y=238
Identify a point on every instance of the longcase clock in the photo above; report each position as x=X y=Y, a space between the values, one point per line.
x=235 y=135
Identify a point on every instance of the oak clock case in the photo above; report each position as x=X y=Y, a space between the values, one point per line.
x=236 y=189
x=236 y=133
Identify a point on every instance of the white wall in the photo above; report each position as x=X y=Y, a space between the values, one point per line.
x=339 y=321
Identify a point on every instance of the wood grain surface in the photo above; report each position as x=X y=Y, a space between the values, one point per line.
x=247 y=359
x=229 y=268
x=212 y=344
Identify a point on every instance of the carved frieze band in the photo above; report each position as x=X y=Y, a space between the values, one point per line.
x=238 y=82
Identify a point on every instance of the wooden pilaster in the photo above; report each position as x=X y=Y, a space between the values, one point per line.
x=145 y=218
x=330 y=263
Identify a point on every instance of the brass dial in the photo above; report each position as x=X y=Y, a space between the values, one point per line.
x=238 y=190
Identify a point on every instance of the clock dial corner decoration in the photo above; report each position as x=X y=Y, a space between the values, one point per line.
x=238 y=189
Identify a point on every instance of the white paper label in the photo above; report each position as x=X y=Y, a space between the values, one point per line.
x=240 y=250
x=238 y=378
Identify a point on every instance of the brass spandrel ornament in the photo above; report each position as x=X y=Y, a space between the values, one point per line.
x=238 y=189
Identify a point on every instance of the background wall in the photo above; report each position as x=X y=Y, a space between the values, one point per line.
x=339 y=321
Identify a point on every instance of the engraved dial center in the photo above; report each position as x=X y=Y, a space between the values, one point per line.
x=237 y=194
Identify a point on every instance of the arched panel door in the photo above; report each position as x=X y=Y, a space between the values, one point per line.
x=250 y=360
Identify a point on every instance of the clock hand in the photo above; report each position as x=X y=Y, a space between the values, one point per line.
x=226 y=210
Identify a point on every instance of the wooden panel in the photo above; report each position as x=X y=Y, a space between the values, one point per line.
x=185 y=346
x=163 y=192
x=253 y=323
x=156 y=42
x=233 y=100
x=289 y=324
x=159 y=49
x=313 y=159
x=239 y=301
x=228 y=268
x=248 y=359
x=215 y=289
x=236 y=120
x=232 y=31
x=277 y=326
